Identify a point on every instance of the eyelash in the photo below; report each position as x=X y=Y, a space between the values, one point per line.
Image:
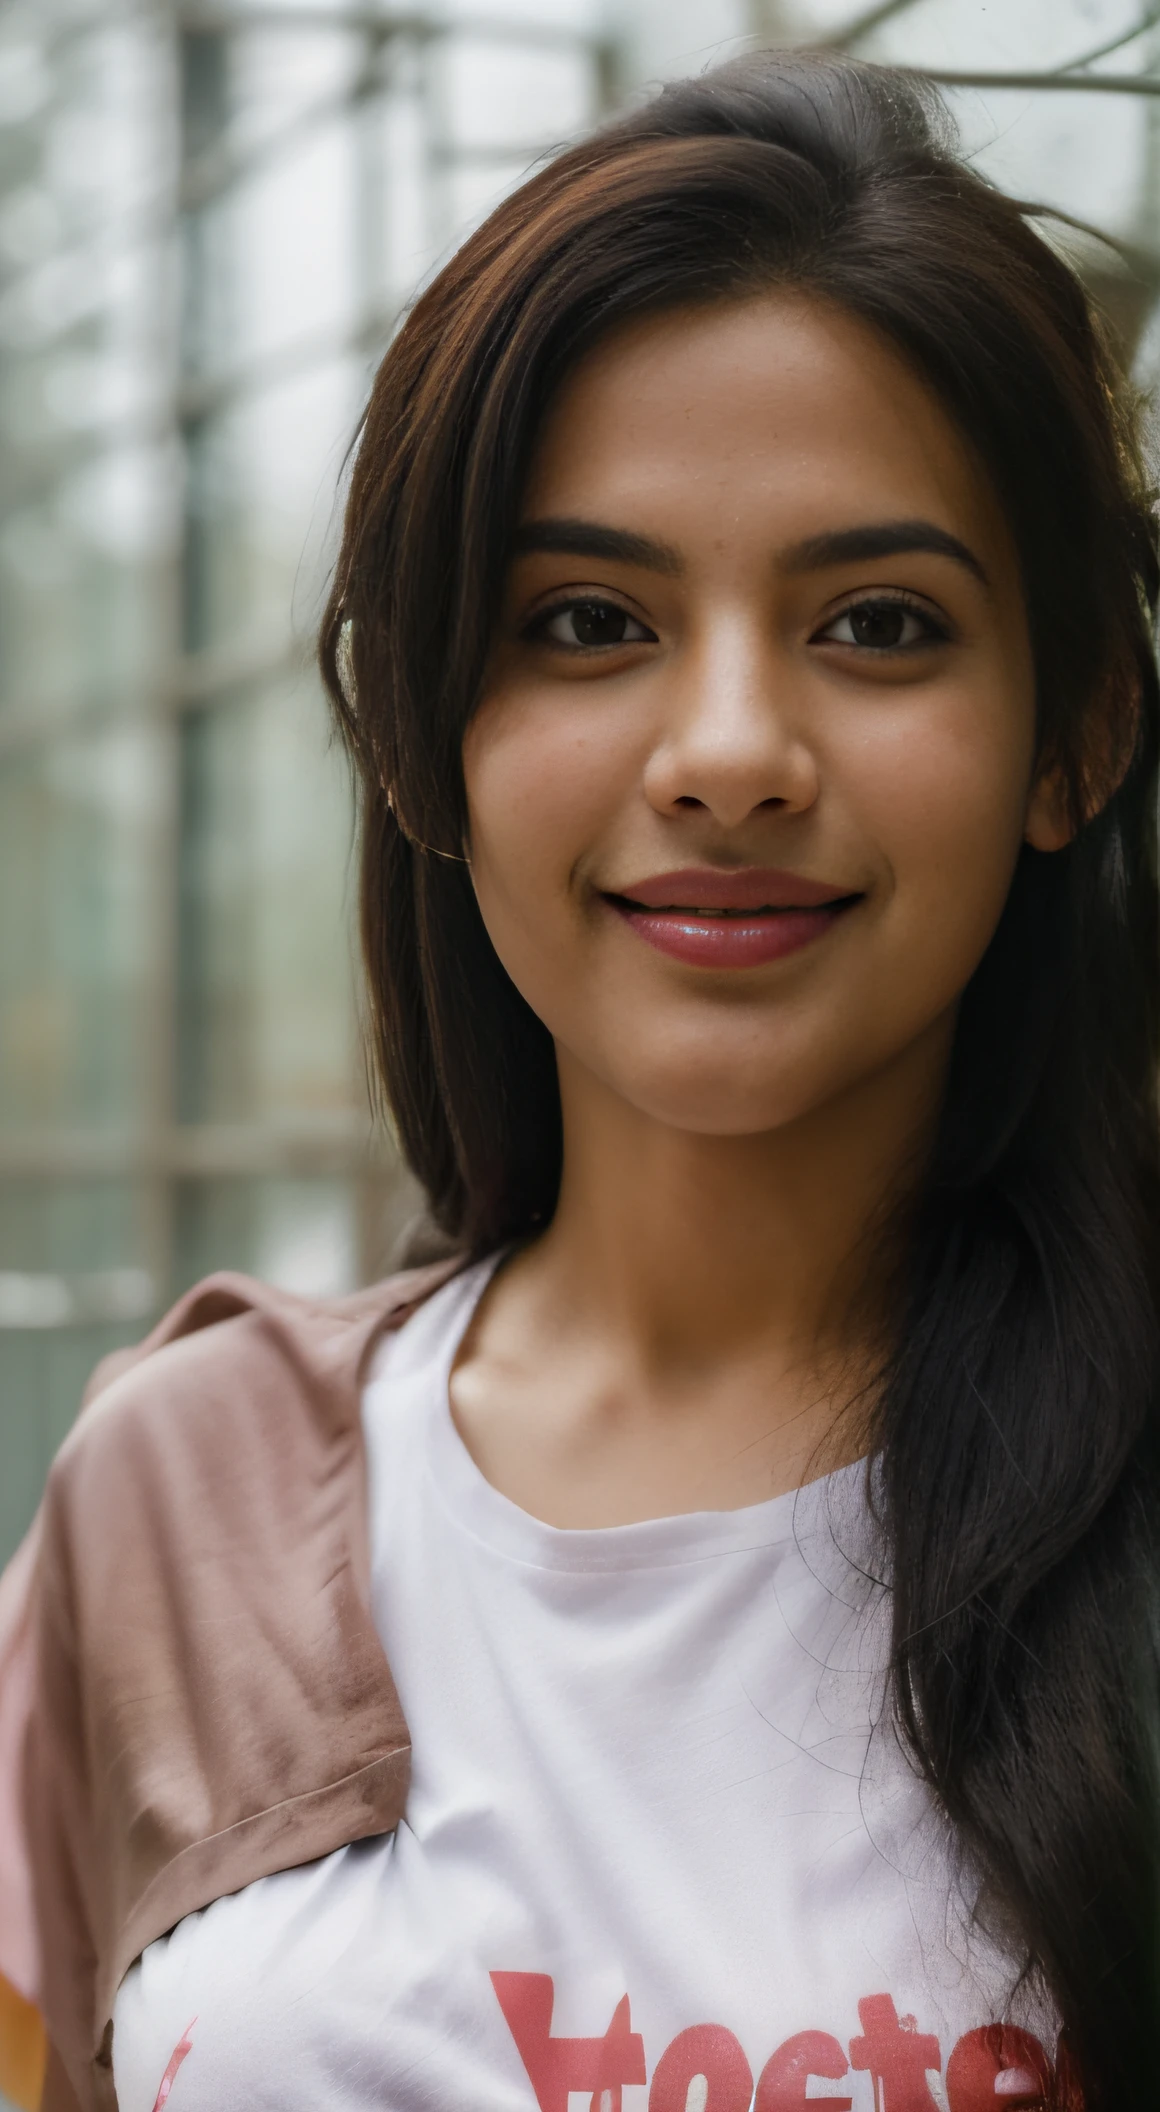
x=934 y=632
x=538 y=627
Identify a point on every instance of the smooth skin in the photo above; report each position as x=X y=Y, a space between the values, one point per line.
x=691 y=670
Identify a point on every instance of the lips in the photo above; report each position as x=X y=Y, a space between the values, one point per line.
x=709 y=918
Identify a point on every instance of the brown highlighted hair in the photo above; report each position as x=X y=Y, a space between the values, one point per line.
x=1019 y=1421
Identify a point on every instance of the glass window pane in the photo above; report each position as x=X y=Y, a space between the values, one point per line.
x=280 y=78
x=266 y=1022
x=272 y=258
x=398 y=210
x=42 y=1377
x=294 y=255
x=497 y=94
x=76 y=821
x=262 y=478
x=298 y=1234
x=73 y=1285
x=69 y=1226
x=85 y=570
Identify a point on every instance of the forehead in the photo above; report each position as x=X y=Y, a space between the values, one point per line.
x=777 y=402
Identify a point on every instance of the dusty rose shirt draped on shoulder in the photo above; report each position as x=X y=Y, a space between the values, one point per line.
x=192 y=1690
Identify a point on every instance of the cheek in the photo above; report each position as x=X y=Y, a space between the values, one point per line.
x=543 y=787
x=945 y=802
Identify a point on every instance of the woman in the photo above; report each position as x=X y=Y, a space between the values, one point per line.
x=741 y=632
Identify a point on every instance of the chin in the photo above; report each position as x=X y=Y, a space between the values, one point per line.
x=723 y=1105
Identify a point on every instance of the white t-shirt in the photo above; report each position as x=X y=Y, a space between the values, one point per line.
x=656 y=1855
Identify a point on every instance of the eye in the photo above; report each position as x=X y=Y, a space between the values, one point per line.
x=883 y=626
x=590 y=623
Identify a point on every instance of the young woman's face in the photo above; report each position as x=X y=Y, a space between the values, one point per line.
x=754 y=757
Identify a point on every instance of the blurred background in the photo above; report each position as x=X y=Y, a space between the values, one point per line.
x=211 y=218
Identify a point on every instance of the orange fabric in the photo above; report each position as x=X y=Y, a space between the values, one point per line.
x=209 y=1699
x=23 y=2049
x=19 y=1938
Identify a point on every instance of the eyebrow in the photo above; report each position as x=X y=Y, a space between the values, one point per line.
x=839 y=546
x=844 y=546
x=589 y=539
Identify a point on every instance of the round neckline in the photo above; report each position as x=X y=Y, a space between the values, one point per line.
x=425 y=1351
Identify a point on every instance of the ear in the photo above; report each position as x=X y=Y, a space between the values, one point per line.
x=1051 y=821
x=1048 y=825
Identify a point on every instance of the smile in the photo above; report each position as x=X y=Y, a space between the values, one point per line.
x=743 y=919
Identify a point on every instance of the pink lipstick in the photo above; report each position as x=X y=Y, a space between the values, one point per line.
x=743 y=919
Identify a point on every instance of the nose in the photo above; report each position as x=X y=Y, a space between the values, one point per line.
x=732 y=741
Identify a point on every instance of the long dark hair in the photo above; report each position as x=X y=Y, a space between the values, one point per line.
x=1017 y=1424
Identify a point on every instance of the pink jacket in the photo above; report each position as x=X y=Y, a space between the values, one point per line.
x=192 y=1690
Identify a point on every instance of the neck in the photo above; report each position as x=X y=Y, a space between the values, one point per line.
x=700 y=1247
x=691 y=1328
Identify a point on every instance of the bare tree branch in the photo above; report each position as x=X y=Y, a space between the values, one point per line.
x=1092 y=83
x=861 y=26
x=886 y=10
x=1126 y=36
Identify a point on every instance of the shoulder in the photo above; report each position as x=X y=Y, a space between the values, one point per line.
x=227 y=1420
x=231 y=1321
x=210 y=1700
